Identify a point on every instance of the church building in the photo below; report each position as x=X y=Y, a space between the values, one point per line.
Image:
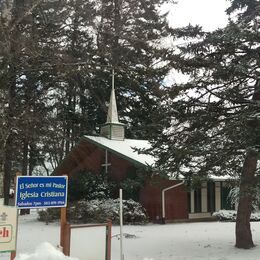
x=112 y=153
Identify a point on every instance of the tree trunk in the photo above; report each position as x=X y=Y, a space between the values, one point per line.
x=117 y=24
x=243 y=232
x=32 y=158
x=11 y=110
x=10 y=122
x=7 y=169
x=68 y=125
x=25 y=169
x=25 y=157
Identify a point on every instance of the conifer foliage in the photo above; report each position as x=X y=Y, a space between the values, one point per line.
x=212 y=122
x=56 y=60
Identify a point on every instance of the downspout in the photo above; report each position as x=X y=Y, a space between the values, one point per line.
x=163 y=198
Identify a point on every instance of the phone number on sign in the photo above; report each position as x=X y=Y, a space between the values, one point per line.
x=53 y=203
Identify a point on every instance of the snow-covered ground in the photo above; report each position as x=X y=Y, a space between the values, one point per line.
x=208 y=240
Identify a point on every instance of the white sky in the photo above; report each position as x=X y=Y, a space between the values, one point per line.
x=208 y=13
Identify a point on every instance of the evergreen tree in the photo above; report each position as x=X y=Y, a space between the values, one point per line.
x=109 y=35
x=129 y=37
x=13 y=16
x=211 y=123
x=23 y=85
x=55 y=73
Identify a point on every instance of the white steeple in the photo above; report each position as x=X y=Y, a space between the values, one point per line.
x=113 y=129
x=112 y=116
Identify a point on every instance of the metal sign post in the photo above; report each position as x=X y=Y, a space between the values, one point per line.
x=121 y=224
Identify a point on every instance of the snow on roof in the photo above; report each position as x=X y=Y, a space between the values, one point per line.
x=125 y=148
x=223 y=177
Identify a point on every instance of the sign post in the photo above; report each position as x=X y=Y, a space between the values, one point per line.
x=13 y=253
x=121 y=223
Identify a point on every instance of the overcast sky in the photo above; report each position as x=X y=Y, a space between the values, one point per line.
x=208 y=13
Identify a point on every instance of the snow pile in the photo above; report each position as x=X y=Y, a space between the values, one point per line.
x=45 y=251
x=231 y=215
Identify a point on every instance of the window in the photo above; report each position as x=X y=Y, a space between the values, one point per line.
x=211 y=196
x=197 y=200
x=225 y=202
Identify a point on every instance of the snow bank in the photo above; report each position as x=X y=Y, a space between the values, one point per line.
x=44 y=251
x=231 y=215
x=178 y=241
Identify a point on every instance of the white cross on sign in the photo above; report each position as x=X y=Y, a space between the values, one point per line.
x=3 y=216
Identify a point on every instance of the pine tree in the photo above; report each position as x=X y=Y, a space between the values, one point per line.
x=12 y=14
x=55 y=73
x=129 y=39
x=23 y=85
x=211 y=124
x=111 y=34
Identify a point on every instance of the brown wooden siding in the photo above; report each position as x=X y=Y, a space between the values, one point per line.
x=90 y=157
x=176 y=200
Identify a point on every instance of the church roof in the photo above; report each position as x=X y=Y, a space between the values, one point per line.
x=125 y=149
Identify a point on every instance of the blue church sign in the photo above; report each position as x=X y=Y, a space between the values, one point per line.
x=41 y=191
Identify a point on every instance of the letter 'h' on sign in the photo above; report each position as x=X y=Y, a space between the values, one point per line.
x=5 y=233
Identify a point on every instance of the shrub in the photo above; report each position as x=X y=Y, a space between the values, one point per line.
x=87 y=185
x=98 y=211
x=231 y=215
x=233 y=196
x=49 y=215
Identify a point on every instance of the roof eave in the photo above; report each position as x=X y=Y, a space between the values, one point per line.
x=116 y=152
